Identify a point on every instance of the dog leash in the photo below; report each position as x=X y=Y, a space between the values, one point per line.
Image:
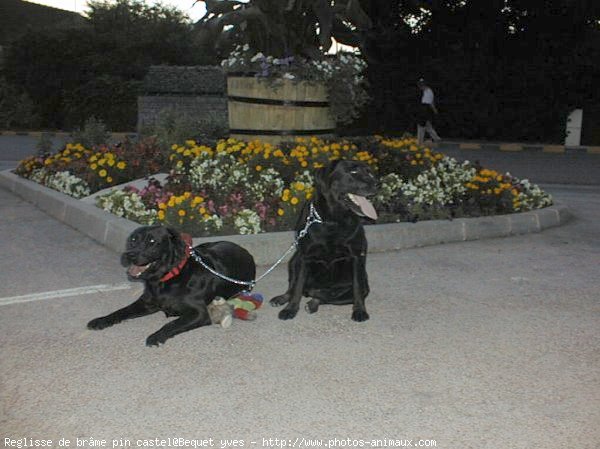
x=312 y=218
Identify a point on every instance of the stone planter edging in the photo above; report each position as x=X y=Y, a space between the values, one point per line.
x=112 y=231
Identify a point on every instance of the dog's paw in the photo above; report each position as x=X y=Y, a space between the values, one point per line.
x=156 y=339
x=360 y=315
x=279 y=300
x=100 y=323
x=287 y=314
x=312 y=306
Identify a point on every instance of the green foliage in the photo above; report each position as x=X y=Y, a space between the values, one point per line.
x=172 y=127
x=93 y=134
x=501 y=70
x=44 y=145
x=95 y=69
x=16 y=108
x=283 y=28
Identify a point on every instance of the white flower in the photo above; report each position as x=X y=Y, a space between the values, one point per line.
x=288 y=76
x=247 y=222
x=69 y=184
x=128 y=205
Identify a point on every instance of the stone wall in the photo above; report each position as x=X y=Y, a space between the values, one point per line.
x=197 y=92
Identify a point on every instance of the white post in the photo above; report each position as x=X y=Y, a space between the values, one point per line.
x=573 y=137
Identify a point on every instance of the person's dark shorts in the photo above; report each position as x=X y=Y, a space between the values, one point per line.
x=424 y=114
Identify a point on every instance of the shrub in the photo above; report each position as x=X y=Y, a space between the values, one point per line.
x=94 y=133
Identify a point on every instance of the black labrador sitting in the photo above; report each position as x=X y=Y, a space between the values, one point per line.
x=176 y=283
x=329 y=265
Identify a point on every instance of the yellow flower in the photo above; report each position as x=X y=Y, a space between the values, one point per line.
x=94 y=166
x=181 y=213
x=258 y=168
x=294 y=200
x=109 y=179
x=299 y=186
x=162 y=206
x=102 y=173
x=280 y=212
x=121 y=165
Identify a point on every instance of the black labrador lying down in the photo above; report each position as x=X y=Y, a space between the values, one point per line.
x=329 y=265
x=175 y=283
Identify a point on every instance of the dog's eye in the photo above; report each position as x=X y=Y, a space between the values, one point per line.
x=353 y=172
x=152 y=241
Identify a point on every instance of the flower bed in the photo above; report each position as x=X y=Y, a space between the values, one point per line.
x=237 y=187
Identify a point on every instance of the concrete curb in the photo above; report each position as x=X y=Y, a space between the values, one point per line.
x=112 y=231
x=38 y=134
x=515 y=147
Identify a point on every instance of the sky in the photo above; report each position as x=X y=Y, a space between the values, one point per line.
x=80 y=6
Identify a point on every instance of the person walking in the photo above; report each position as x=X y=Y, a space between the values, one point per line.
x=425 y=113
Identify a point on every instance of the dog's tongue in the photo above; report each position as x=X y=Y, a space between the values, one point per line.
x=136 y=270
x=365 y=206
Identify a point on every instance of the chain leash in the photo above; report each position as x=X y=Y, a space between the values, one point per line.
x=313 y=217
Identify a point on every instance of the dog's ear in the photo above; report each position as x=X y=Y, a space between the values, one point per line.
x=323 y=176
x=176 y=247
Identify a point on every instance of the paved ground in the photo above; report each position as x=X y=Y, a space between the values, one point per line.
x=489 y=344
x=562 y=168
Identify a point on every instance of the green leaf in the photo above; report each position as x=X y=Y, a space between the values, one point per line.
x=218 y=7
x=324 y=13
x=357 y=15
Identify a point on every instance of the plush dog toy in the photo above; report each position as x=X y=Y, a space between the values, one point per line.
x=244 y=305
x=220 y=312
x=241 y=306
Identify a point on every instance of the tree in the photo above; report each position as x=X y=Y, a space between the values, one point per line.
x=281 y=28
x=95 y=69
x=501 y=69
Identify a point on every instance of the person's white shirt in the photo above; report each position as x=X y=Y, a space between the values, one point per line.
x=427 y=97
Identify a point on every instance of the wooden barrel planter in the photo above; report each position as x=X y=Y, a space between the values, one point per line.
x=276 y=113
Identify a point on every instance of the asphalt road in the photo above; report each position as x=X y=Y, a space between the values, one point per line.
x=482 y=344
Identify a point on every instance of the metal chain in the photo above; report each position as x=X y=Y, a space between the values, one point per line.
x=313 y=217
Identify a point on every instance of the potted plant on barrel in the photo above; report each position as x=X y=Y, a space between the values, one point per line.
x=281 y=81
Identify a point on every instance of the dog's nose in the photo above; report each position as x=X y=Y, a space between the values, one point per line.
x=129 y=254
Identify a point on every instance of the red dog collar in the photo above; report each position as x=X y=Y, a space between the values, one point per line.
x=176 y=270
